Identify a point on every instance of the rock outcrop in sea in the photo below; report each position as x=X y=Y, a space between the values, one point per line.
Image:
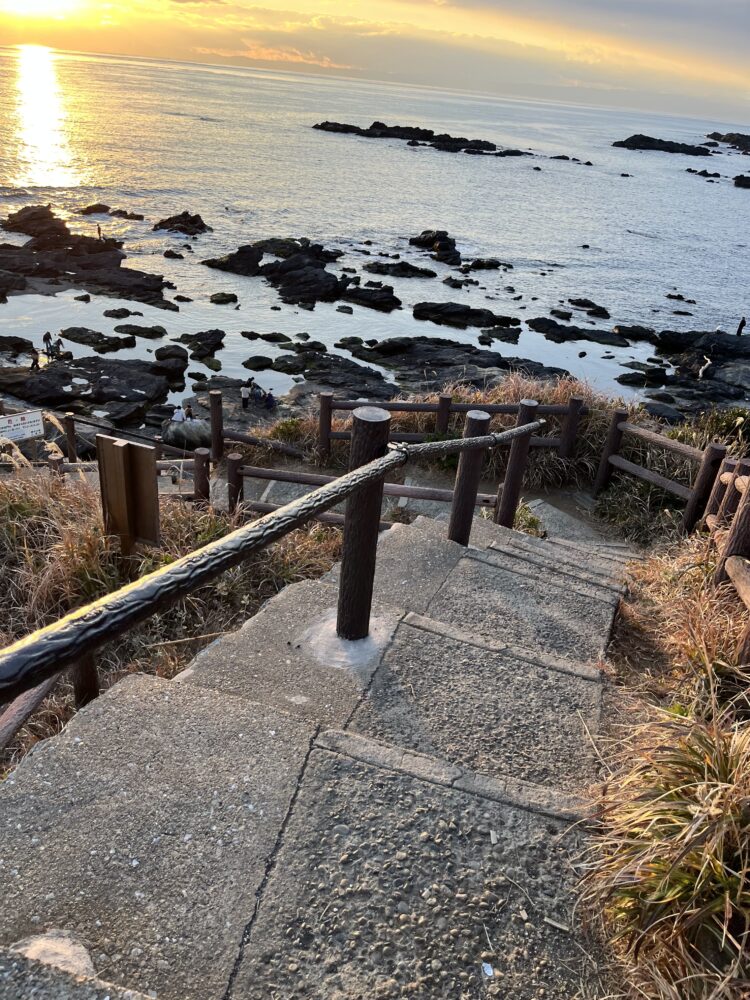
x=416 y=136
x=647 y=142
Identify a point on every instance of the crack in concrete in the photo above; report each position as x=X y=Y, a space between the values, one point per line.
x=269 y=867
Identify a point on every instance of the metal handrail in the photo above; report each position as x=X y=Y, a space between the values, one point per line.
x=50 y=650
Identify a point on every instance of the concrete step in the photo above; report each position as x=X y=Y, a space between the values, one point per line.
x=145 y=829
x=389 y=882
x=288 y=656
x=545 y=554
x=22 y=978
x=492 y=708
x=575 y=525
x=540 y=612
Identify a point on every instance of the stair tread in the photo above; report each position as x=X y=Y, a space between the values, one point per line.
x=145 y=827
x=403 y=862
x=496 y=710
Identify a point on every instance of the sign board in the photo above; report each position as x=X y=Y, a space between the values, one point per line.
x=22 y=426
x=130 y=491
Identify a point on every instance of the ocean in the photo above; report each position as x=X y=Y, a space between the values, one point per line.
x=237 y=146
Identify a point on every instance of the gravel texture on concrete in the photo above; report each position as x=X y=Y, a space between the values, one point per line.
x=281 y=657
x=495 y=711
x=144 y=829
x=23 y=979
x=535 y=611
x=387 y=886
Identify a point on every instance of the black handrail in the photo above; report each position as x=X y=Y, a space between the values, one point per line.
x=31 y=660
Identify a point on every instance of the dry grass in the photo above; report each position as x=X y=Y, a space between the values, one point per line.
x=55 y=556
x=669 y=871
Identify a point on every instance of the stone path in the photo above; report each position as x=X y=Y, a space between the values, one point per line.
x=298 y=817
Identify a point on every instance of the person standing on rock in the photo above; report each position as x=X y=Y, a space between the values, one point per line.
x=47 y=341
x=741 y=327
x=188 y=411
x=178 y=417
x=245 y=392
x=34 y=360
x=58 y=348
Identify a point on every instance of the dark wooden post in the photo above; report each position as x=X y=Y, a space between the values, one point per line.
x=731 y=500
x=611 y=447
x=719 y=491
x=201 y=475
x=570 y=427
x=738 y=539
x=713 y=456
x=85 y=679
x=370 y=430
x=234 y=480
x=56 y=465
x=443 y=413
x=324 y=425
x=467 y=479
x=217 y=425
x=510 y=491
x=69 y=424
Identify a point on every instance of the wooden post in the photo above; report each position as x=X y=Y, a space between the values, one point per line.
x=510 y=491
x=201 y=475
x=370 y=431
x=324 y=425
x=56 y=465
x=235 y=481
x=467 y=479
x=611 y=447
x=569 y=431
x=731 y=500
x=217 y=425
x=713 y=456
x=738 y=539
x=720 y=488
x=69 y=424
x=85 y=679
x=443 y=413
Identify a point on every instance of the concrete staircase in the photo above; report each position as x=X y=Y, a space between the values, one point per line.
x=295 y=816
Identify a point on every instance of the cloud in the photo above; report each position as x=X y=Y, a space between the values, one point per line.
x=284 y=54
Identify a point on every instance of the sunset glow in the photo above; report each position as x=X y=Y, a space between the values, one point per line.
x=561 y=49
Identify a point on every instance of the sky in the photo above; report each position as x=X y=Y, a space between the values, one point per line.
x=679 y=56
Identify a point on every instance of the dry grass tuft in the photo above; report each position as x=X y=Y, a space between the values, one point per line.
x=55 y=556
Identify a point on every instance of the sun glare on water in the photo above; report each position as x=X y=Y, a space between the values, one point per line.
x=45 y=159
x=38 y=8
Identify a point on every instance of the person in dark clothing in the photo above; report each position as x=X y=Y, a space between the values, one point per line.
x=47 y=341
x=270 y=402
x=58 y=347
x=188 y=411
x=741 y=327
x=34 y=360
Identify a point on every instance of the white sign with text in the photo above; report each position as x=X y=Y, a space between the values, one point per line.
x=22 y=426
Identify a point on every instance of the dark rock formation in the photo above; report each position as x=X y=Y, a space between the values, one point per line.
x=416 y=136
x=302 y=279
x=399 y=269
x=258 y=363
x=740 y=140
x=100 y=342
x=741 y=181
x=381 y=298
x=442 y=246
x=592 y=309
x=459 y=315
x=203 y=345
x=171 y=361
x=173 y=255
x=223 y=298
x=125 y=389
x=98 y=208
x=190 y=225
x=336 y=373
x=120 y=313
x=647 y=142
x=149 y=332
x=54 y=255
x=13 y=346
x=245 y=260
x=559 y=334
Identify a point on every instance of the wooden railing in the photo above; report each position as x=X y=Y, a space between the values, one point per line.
x=30 y=667
x=696 y=495
x=569 y=413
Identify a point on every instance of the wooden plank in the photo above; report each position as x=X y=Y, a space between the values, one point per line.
x=738 y=571
x=22 y=708
x=390 y=489
x=741 y=482
x=703 y=484
x=618 y=462
x=143 y=493
x=660 y=441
